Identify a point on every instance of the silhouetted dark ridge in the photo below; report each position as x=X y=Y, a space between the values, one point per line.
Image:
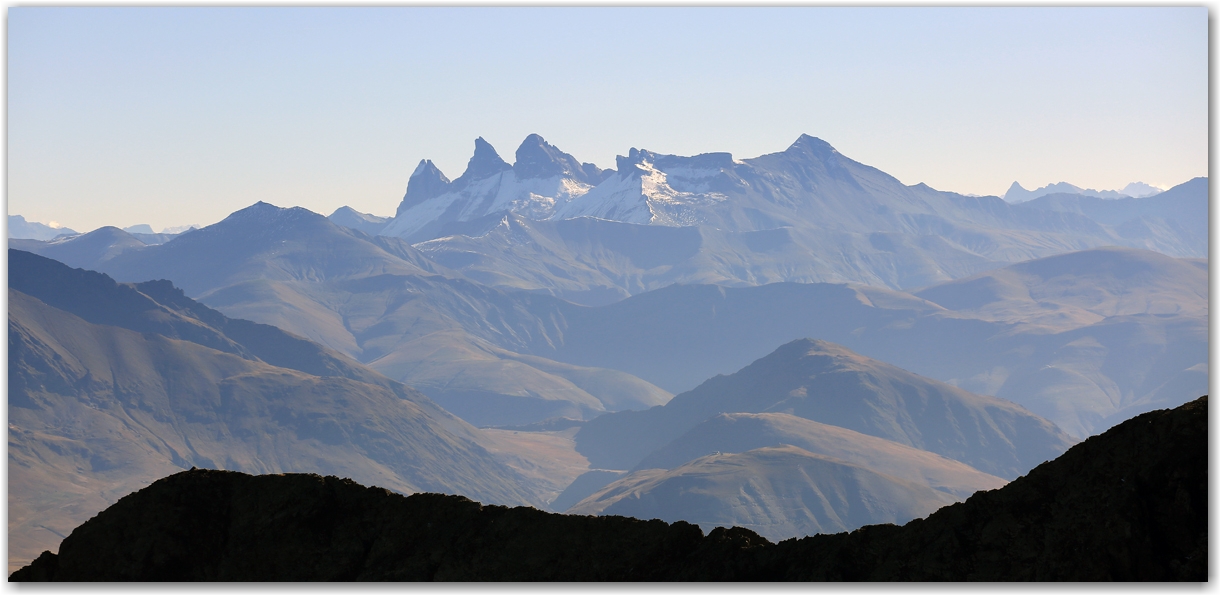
x=1130 y=504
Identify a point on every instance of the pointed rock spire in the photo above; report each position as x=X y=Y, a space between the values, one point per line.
x=426 y=182
x=537 y=158
x=627 y=165
x=811 y=145
x=1017 y=193
x=485 y=163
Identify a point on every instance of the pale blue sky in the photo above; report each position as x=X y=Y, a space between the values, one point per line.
x=169 y=116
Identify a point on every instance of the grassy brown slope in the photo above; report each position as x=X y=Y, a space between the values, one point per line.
x=831 y=384
x=777 y=492
x=98 y=411
x=740 y=432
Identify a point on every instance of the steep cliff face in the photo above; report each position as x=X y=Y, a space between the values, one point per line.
x=1130 y=504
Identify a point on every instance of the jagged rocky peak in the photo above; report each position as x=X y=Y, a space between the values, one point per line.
x=485 y=163
x=813 y=146
x=426 y=182
x=537 y=158
x=631 y=163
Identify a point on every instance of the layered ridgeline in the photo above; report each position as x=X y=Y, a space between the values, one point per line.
x=1173 y=221
x=1130 y=504
x=776 y=491
x=381 y=302
x=19 y=228
x=832 y=385
x=1085 y=339
x=113 y=385
x=1017 y=193
x=810 y=439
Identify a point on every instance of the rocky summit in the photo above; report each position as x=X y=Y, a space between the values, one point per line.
x=1129 y=504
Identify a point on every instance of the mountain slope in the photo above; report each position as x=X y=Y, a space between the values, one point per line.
x=1082 y=372
x=98 y=410
x=381 y=302
x=1079 y=288
x=1084 y=378
x=265 y=242
x=740 y=432
x=596 y=262
x=349 y=217
x=1173 y=222
x=777 y=492
x=830 y=384
x=87 y=250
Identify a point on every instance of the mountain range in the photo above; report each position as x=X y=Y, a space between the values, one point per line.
x=1017 y=193
x=881 y=231
x=511 y=357
x=19 y=228
x=844 y=349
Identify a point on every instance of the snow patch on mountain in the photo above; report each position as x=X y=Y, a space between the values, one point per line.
x=535 y=198
x=643 y=194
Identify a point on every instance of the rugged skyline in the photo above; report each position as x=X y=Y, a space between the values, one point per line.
x=177 y=116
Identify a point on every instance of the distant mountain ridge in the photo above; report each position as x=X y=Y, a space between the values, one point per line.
x=552 y=224
x=1017 y=193
x=349 y=217
x=19 y=228
x=405 y=311
x=830 y=384
x=808 y=202
x=359 y=294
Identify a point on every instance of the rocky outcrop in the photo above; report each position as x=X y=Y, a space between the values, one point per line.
x=1130 y=504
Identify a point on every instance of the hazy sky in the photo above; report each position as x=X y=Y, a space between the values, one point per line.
x=170 y=116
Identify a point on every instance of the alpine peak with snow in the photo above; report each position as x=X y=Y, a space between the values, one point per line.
x=542 y=180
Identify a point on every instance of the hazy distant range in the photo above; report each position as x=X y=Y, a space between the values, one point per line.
x=920 y=344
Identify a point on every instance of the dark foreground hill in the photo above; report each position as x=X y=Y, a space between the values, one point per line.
x=1130 y=504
